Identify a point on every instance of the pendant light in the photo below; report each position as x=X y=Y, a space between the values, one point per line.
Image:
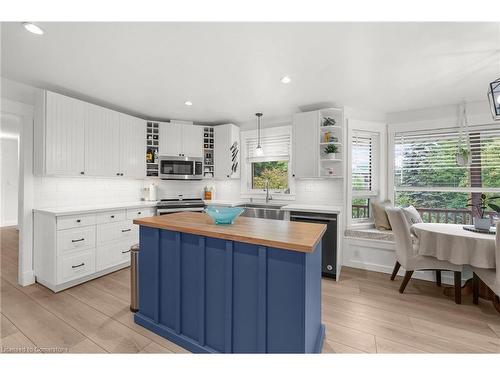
x=494 y=99
x=258 y=150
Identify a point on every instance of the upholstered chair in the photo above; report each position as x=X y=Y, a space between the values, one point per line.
x=407 y=257
x=489 y=276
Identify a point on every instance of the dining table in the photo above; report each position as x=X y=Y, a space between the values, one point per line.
x=453 y=243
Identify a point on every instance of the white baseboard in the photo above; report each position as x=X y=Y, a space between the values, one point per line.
x=27 y=278
x=8 y=223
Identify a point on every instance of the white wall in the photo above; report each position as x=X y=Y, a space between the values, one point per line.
x=9 y=160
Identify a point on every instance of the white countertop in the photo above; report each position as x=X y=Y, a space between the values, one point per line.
x=325 y=209
x=224 y=203
x=73 y=210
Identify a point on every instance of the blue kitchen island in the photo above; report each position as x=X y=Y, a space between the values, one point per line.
x=250 y=287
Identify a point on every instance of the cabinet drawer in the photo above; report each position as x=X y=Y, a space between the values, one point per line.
x=116 y=231
x=73 y=266
x=75 y=221
x=111 y=216
x=134 y=213
x=112 y=254
x=76 y=239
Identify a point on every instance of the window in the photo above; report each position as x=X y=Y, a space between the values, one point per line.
x=428 y=176
x=363 y=173
x=272 y=166
x=274 y=172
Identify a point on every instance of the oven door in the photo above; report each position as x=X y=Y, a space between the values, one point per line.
x=180 y=168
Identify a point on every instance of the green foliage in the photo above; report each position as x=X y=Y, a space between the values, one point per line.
x=276 y=172
x=331 y=149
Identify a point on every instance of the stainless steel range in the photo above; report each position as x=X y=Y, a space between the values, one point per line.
x=169 y=206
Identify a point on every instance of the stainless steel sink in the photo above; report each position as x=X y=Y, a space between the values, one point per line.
x=264 y=211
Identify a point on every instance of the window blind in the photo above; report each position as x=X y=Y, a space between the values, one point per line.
x=362 y=162
x=429 y=158
x=275 y=147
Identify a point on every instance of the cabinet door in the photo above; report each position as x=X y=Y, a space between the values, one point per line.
x=132 y=146
x=64 y=132
x=222 y=160
x=306 y=144
x=192 y=140
x=170 y=139
x=102 y=143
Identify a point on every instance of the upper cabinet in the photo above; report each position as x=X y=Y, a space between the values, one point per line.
x=227 y=151
x=73 y=137
x=59 y=135
x=132 y=148
x=179 y=138
x=318 y=144
x=102 y=144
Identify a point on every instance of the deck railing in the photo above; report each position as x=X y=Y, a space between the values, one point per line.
x=432 y=215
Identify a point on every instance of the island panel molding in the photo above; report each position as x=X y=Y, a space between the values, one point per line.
x=213 y=295
x=296 y=236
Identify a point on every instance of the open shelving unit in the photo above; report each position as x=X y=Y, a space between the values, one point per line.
x=208 y=152
x=152 y=145
x=331 y=135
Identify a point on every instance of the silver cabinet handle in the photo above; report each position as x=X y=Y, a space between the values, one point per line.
x=126 y=230
x=81 y=239
x=79 y=265
x=126 y=251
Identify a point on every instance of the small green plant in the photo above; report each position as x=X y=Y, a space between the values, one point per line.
x=484 y=203
x=331 y=149
x=328 y=121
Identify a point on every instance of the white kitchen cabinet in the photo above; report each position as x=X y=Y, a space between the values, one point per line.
x=305 y=145
x=73 y=138
x=181 y=139
x=102 y=144
x=73 y=248
x=227 y=151
x=132 y=153
x=192 y=140
x=59 y=135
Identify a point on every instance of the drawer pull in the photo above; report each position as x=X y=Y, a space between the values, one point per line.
x=81 y=239
x=78 y=220
x=79 y=265
x=139 y=213
x=126 y=230
x=126 y=251
x=112 y=216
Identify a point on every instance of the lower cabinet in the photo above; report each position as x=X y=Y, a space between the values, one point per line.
x=72 y=249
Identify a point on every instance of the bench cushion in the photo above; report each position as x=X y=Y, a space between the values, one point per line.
x=370 y=234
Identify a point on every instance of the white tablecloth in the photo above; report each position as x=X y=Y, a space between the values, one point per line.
x=456 y=245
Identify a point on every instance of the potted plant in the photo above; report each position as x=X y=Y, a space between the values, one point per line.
x=331 y=151
x=480 y=222
x=463 y=156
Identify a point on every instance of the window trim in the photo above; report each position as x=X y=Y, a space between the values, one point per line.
x=379 y=173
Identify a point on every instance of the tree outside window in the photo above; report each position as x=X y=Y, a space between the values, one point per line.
x=275 y=172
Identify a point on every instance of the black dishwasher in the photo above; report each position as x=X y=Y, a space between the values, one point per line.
x=329 y=242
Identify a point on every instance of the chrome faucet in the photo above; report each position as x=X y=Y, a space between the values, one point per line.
x=268 y=196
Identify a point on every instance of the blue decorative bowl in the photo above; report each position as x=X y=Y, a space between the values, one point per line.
x=223 y=215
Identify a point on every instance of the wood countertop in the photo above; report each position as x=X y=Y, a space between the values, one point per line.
x=289 y=235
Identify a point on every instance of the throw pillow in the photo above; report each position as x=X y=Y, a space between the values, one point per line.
x=380 y=216
x=412 y=215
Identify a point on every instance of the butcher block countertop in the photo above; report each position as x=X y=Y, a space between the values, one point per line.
x=289 y=235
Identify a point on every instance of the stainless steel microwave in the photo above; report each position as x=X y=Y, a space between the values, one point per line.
x=180 y=168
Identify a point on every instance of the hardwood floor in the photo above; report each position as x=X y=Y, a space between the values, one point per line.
x=363 y=313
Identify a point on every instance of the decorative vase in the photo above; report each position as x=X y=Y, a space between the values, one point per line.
x=482 y=223
x=331 y=156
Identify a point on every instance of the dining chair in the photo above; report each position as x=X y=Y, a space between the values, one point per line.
x=489 y=276
x=407 y=255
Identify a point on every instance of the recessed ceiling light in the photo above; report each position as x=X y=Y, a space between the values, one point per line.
x=32 y=28
x=286 y=79
x=187 y=102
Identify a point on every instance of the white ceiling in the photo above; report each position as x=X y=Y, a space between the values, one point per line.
x=232 y=70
